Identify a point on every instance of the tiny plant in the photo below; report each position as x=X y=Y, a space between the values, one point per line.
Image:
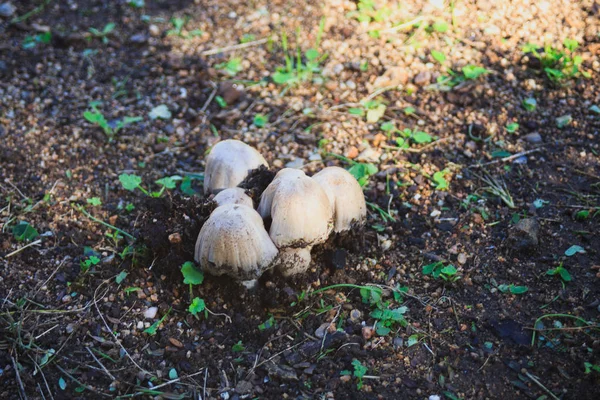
x=512 y=127
x=529 y=104
x=513 y=289
x=131 y=182
x=178 y=27
x=298 y=67
x=561 y=272
x=32 y=41
x=558 y=65
x=24 y=231
x=104 y=33
x=359 y=371
x=95 y=116
x=388 y=318
x=454 y=78
x=231 y=67
x=437 y=269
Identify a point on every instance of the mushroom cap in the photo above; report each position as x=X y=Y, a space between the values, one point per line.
x=228 y=165
x=299 y=209
x=234 y=242
x=345 y=196
x=293 y=261
x=234 y=195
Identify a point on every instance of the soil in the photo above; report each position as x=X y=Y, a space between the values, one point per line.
x=122 y=326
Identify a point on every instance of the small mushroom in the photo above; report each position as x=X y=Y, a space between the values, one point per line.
x=233 y=196
x=234 y=242
x=345 y=196
x=228 y=163
x=300 y=218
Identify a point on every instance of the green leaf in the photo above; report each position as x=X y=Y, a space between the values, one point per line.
x=382 y=330
x=130 y=181
x=571 y=44
x=311 y=54
x=173 y=374
x=518 y=289
x=221 y=102
x=121 y=277
x=571 y=251
x=374 y=114
x=473 y=71
x=186 y=186
x=440 y=181
x=281 y=77
x=449 y=270
x=529 y=104
x=563 y=121
x=238 y=347
x=387 y=126
x=564 y=274
x=167 y=182
x=412 y=340
x=356 y=111
x=161 y=112
x=429 y=268
x=512 y=127
x=94 y=201
x=438 y=56
x=359 y=369
x=108 y=28
x=421 y=137
x=154 y=327
x=23 y=231
x=503 y=288
x=500 y=154
x=260 y=120
x=191 y=276
x=440 y=26
x=62 y=384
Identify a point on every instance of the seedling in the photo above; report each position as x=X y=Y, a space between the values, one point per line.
x=558 y=65
x=497 y=187
x=32 y=41
x=95 y=116
x=231 y=67
x=94 y=201
x=221 y=102
x=88 y=263
x=453 y=79
x=178 y=27
x=104 y=33
x=439 y=180
x=437 y=269
x=238 y=347
x=359 y=372
x=268 y=324
x=529 y=104
x=154 y=327
x=260 y=120
x=513 y=289
x=305 y=67
x=438 y=56
x=512 y=127
x=131 y=182
x=23 y=231
x=388 y=318
x=561 y=272
x=589 y=367
x=373 y=109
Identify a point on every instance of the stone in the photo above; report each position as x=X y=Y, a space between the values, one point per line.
x=154 y=30
x=533 y=137
x=7 y=10
x=423 y=78
x=150 y=313
x=524 y=235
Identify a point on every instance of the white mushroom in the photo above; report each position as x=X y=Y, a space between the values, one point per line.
x=233 y=196
x=234 y=242
x=300 y=218
x=228 y=164
x=345 y=196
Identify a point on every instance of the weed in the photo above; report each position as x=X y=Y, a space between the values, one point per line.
x=32 y=41
x=359 y=371
x=512 y=127
x=131 y=182
x=453 y=78
x=221 y=102
x=260 y=120
x=94 y=201
x=388 y=318
x=439 y=180
x=178 y=27
x=95 y=116
x=372 y=109
x=231 y=67
x=513 y=289
x=91 y=260
x=561 y=272
x=238 y=347
x=305 y=67
x=136 y=3
x=497 y=187
x=24 y=232
x=104 y=33
x=437 y=269
x=268 y=324
x=529 y=104
x=589 y=367
x=151 y=330
x=558 y=65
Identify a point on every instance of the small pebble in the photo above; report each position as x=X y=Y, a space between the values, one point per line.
x=150 y=313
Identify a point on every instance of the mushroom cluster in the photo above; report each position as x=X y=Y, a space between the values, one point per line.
x=299 y=212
